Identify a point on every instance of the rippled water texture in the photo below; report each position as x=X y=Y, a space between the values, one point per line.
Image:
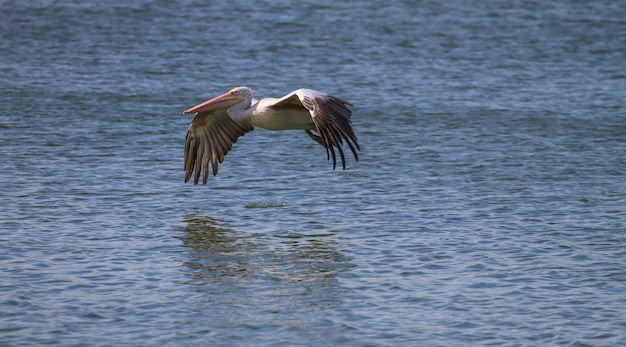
x=487 y=208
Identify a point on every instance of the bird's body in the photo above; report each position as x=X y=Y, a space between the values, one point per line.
x=219 y=122
x=264 y=116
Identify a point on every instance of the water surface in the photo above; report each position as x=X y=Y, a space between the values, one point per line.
x=487 y=207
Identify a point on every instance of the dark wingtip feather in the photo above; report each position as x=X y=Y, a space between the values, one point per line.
x=332 y=120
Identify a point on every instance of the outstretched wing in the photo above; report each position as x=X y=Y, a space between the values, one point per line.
x=209 y=138
x=331 y=116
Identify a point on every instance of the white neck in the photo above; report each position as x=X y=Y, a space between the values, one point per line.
x=242 y=110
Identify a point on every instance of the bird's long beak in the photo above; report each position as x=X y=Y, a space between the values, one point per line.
x=222 y=101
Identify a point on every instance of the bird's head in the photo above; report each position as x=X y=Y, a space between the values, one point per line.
x=232 y=97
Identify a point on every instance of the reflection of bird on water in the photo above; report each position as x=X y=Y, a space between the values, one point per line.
x=242 y=276
x=220 y=254
x=216 y=253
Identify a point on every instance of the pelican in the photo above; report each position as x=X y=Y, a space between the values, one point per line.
x=219 y=122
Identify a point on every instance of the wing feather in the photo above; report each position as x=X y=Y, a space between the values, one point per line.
x=210 y=137
x=332 y=118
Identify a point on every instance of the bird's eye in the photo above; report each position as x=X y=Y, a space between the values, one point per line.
x=235 y=92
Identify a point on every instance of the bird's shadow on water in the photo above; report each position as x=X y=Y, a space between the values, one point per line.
x=281 y=271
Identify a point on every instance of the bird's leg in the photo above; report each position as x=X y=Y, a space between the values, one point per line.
x=315 y=138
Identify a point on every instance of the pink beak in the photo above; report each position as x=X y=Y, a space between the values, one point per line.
x=222 y=101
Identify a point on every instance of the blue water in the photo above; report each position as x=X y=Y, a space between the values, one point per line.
x=488 y=206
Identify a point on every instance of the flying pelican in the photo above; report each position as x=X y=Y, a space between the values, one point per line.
x=219 y=122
